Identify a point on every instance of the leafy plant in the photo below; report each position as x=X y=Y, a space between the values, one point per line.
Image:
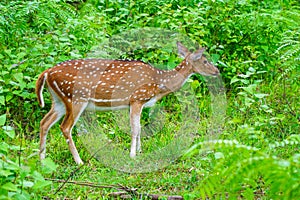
x=247 y=172
x=289 y=53
x=19 y=180
x=249 y=90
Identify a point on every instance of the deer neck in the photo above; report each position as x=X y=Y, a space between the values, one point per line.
x=174 y=79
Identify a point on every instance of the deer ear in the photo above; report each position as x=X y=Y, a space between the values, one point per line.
x=182 y=50
x=198 y=54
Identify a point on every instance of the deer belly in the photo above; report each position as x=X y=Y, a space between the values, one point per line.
x=105 y=106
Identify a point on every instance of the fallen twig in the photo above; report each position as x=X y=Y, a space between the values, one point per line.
x=123 y=193
x=89 y=184
x=73 y=172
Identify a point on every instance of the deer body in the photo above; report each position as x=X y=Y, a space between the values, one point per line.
x=98 y=84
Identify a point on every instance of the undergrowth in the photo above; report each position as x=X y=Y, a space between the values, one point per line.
x=255 y=44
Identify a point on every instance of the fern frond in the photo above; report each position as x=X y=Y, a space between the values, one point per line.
x=286 y=43
x=246 y=166
x=284 y=143
x=289 y=51
x=213 y=144
x=290 y=54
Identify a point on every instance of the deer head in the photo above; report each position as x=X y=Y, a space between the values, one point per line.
x=197 y=61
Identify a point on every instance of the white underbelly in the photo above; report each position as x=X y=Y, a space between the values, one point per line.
x=92 y=107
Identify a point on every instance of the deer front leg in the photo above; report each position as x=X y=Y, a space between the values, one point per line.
x=135 y=117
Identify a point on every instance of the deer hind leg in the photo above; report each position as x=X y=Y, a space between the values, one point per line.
x=135 y=117
x=55 y=114
x=67 y=125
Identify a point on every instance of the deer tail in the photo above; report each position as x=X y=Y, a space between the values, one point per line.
x=39 y=88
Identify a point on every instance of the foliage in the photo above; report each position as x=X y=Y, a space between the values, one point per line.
x=255 y=45
x=20 y=179
x=289 y=52
x=247 y=172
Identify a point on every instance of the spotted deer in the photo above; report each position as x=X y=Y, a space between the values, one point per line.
x=100 y=84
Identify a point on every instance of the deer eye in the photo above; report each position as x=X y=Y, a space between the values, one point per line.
x=205 y=61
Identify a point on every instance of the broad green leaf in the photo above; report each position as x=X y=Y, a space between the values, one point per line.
x=222 y=63
x=260 y=72
x=219 y=155
x=22 y=85
x=2 y=119
x=242 y=94
x=9 y=186
x=5 y=173
x=37 y=176
x=8 y=97
x=23 y=172
x=31 y=85
x=109 y=9
x=72 y=37
x=4 y=147
x=9 y=131
x=17 y=92
x=27 y=184
x=245 y=81
x=22 y=196
x=251 y=69
x=250 y=89
x=248 y=101
x=234 y=79
x=215 y=58
x=75 y=55
x=11 y=165
x=260 y=96
x=2 y=101
x=21 y=55
x=49 y=165
x=2 y=196
x=195 y=84
x=18 y=77
x=41 y=184
x=64 y=39
x=7 y=51
x=15 y=147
